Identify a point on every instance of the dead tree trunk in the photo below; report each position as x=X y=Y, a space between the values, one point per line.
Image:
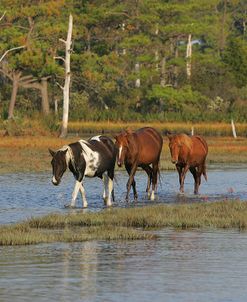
x=28 y=82
x=138 y=80
x=66 y=86
x=188 y=57
x=44 y=95
x=15 y=79
x=163 y=72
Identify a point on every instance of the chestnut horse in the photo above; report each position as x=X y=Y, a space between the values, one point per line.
x=188 y=153
x=140 y=149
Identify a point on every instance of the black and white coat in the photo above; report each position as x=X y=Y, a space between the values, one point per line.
x=91 y=158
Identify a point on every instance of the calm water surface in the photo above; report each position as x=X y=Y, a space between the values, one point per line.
x=179 y=266
x=186 y=266
x=25 y=195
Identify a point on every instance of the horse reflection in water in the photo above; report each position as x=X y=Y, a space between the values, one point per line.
x=188 y=153
x=91 y=158
x=141 y=148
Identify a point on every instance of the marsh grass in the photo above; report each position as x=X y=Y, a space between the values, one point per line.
x=30 y=153
x=125 y=224
x=205 y=128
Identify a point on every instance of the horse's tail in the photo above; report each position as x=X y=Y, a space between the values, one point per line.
x=159 y=174
x=160 y=177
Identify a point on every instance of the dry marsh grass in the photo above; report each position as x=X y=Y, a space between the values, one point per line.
x=30 y=153
x=207 y=129
x=125 y=224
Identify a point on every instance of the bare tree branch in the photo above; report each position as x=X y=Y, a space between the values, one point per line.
x=9 y=50
x=1 y=18
x=59 y=58
x=6 y=73
x=60 y=86
x=62 y=40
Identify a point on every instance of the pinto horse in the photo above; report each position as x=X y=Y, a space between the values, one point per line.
x=140 y=149
x=91 y=158
x=188 y=153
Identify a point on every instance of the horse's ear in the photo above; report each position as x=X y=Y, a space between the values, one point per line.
x=129 y=131
x=52 y=152
x=65 y=151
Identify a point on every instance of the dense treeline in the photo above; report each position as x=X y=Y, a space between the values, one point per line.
x=130 y=60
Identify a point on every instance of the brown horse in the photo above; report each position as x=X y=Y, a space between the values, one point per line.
x=188 y=153
x=140 y=149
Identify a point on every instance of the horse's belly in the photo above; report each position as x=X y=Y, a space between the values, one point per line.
x=148 y=158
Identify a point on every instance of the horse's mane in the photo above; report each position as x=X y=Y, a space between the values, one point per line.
x=69 y=156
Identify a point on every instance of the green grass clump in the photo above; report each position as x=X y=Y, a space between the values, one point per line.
x=223 y=214
x=125 y=224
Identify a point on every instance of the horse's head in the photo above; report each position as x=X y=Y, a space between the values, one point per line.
x=122 y=145
x=174 y=146
x=59 y=165
x=180 y=146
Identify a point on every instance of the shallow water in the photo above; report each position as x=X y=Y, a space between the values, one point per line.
x=186 y=266
x=24 y=195
x=179 y=266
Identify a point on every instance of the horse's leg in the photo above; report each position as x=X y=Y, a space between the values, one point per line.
x=74 y=195
x=196 y=179
x=149 y=172
x=84 y=201
x=131 y=181
x=105 y=182
x=155 y=178
x=110 y=176
x=179 y=169
x=184 y=171
x=110 y=189
x=199 y=174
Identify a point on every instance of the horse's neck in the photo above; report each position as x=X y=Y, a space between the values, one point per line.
x=132 y=150
x=70 y=160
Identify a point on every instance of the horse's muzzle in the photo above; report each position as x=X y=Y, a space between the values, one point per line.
x=174 y=161
x=55 y=182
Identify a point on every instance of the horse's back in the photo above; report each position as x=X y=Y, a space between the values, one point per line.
x=149 y=135
x=107 y=151
x=149 y=143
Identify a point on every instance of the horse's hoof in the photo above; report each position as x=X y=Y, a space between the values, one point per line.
x=107 y=202
x=69 y=206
